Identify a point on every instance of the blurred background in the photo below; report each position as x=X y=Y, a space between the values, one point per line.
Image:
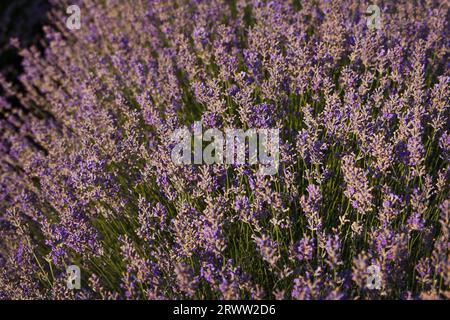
x=21 y=19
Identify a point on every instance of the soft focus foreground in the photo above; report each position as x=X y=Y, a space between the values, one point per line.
x=86 y=176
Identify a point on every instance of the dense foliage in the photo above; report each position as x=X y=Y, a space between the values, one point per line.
x=86 y=176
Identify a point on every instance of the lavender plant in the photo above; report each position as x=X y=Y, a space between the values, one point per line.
x=86 y=176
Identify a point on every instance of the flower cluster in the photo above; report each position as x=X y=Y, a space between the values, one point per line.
x=87 y=178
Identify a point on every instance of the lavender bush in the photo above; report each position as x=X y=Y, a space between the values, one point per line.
x=86 y=176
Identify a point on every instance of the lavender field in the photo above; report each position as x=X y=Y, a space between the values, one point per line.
x=357 y=208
